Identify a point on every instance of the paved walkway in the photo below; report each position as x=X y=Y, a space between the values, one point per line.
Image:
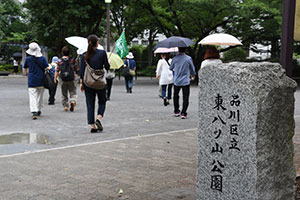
x=143 y=150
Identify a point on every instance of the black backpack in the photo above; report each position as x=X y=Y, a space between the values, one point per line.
x=66 y=71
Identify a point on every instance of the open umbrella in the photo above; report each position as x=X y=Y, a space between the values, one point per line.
x=115 y=61
x=17 y=55
x=166 y=50
x=81 y=43
x=220 y=39
x=174 y=41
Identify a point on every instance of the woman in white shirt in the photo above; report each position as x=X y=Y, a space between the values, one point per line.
x=211 y=56
x=165 y=76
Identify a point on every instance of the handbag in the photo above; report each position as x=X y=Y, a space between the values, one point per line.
x=110 y=74
x=94 y=78
x=47 y=77
x=131 y=71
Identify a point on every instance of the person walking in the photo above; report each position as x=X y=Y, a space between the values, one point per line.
x=65 y=72
x=109 y=75
x=34 y=67
x=131 y=65
x=183 y=69
x=211 y=56
x=165 y=76
x=97 y=59
x=52 y=68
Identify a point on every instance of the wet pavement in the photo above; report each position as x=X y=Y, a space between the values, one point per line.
x=143 y=151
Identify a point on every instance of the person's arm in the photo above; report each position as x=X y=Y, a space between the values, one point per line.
x=82 y=68
x=134 y=65
x=172 y=66
x=106 y=64
x=192 y=69
x=159 y=69
x=26 y=67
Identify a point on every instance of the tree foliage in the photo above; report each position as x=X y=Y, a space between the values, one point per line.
x=252 y=21
x=54 y=20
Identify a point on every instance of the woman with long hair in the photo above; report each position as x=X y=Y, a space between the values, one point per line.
x=97 y=59
x=211 y=56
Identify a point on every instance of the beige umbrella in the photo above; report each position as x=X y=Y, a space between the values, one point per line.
x=220 y=39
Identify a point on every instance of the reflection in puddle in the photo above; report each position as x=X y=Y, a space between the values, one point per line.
x=24 y=138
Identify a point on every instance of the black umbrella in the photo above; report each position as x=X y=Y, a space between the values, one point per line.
x=17 y=55
x=175 y=41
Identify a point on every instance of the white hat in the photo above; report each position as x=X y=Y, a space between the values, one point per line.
x=34 y=50
x=130 y=55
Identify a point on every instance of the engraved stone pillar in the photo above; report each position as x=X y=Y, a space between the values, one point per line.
x=246 y=125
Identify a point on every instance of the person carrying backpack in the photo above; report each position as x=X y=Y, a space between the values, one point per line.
x=65 y=71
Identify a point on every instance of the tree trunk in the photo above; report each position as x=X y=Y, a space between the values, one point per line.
x=150 y=55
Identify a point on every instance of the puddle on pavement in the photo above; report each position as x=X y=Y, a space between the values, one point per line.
x=24 y=138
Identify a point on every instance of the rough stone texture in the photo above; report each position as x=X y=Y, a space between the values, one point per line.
x=263 y=168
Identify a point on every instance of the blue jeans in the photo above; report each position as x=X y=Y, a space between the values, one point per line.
x=164 y=91
x=90 y=97
x=128 y=82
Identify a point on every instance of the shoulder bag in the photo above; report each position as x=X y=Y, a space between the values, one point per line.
x=131 y=71
x=48 y=79
x=94 y=78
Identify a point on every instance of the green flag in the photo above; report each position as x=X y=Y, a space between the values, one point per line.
x=121 y=46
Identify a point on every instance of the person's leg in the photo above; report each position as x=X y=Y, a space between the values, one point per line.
x=176 y=100
x=39 y=98
x=64 y=95
x=127 y=83
x=52 y=92
x=90 y=96
x=101 y=94
x=159 y=91
x=163 y=94
x=130 y=83
x=33 y=100
x=109 y=85
x=73 y=94
x=170 y=91
x=163 y=91
x=186 y=95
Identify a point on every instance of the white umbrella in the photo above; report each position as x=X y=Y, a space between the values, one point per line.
x=81 y=43
x=166 y=50
x=220 y=39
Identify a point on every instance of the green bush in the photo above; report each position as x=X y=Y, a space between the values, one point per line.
x=147 y=71
x=7 y=67
x=235 y=54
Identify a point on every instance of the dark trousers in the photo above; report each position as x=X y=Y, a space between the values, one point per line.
x=90 y=97
x=185 y=95
x=52 y=93
x=128 y=83
x=164 y=91
x=109 y=83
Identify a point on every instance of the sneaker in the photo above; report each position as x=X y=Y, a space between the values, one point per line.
x=94 y=130
x=66 y=108
x=51 y=103
x=34 y=115
x=183 y=116
x=99 y=125
x=165 y=102
x=72 y=106
x=39 y=113
x=177 y=114
x=130 y=90
x=168 y=102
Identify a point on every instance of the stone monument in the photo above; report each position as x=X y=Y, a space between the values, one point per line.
x=246 y=126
